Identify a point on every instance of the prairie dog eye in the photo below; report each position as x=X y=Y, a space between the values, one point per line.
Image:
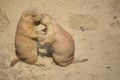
x=33 y=15
x=43 y=15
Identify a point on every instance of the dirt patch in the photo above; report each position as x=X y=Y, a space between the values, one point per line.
x=115 y=4
x=4 y=21
x=83 y=22
x=116 y=22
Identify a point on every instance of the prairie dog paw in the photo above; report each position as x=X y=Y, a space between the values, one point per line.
x=41 y=43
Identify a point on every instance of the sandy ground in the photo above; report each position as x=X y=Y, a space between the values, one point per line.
x=95 y=26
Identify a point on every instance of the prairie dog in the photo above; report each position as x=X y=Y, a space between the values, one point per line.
x=26 y=38
x=62 y=42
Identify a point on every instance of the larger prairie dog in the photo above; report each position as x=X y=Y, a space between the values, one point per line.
x=26 y=45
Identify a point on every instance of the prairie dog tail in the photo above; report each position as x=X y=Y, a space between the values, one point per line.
x=14 y=62
x=81 y=60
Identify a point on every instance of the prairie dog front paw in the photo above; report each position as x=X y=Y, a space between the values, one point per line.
x=42 y=43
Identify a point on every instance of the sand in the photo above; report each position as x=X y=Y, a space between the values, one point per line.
x=94 y=25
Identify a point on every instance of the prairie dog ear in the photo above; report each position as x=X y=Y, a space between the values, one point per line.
x=24 y=16
x=27 y=18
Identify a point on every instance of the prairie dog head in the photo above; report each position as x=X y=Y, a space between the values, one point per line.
x=46 y=19
x=30 y=16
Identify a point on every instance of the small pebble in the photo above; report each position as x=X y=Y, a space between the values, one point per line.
x=114 y=17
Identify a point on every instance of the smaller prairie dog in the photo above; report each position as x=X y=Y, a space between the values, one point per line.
x=26 y=45
x=62 y=42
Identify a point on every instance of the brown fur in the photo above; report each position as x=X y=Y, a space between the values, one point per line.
x=25 y=38
x=62 y=42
